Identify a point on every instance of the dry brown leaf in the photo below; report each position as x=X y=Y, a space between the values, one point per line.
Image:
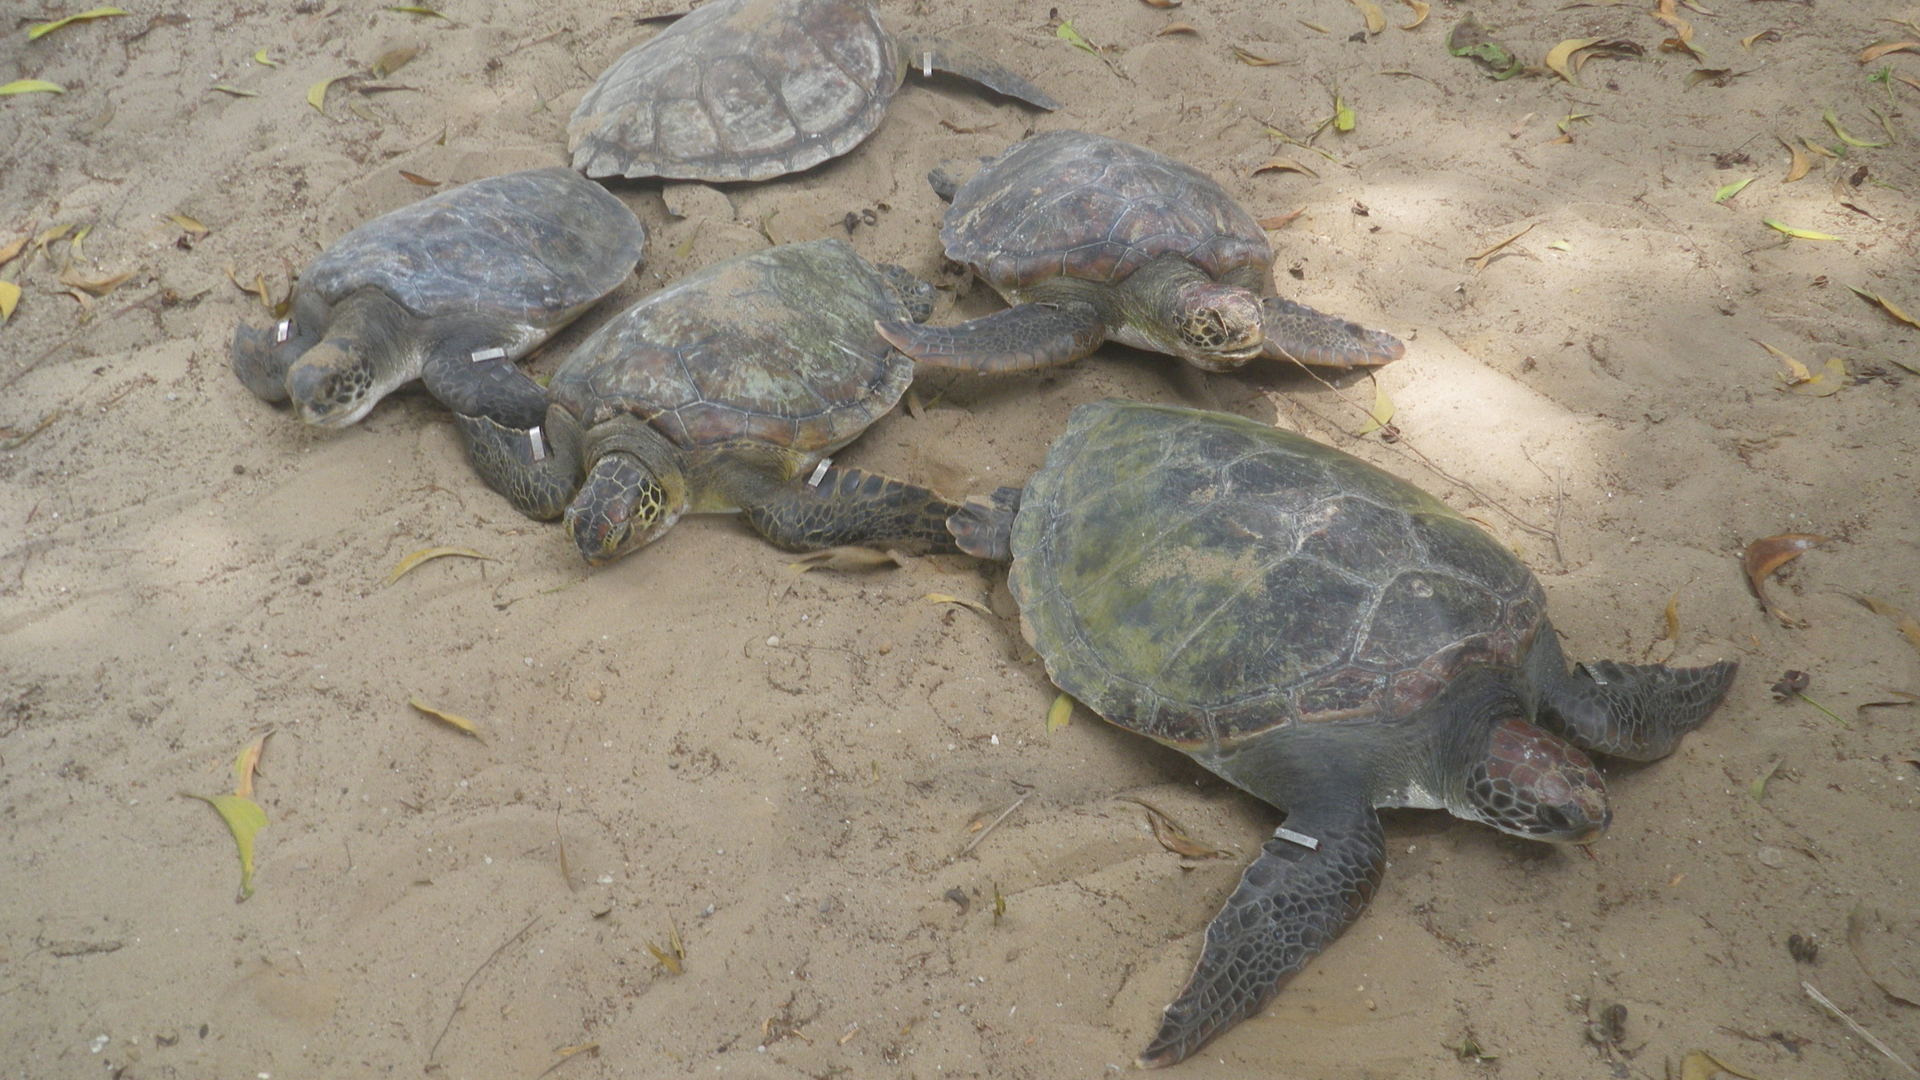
x=1800 y=164
x=1884 y=948
x=453 y=720
x=1375 y=18
x=1281 y=165
x=1421 y=9
x=1175 y=28
x=945 y=598
x=1881 y=48
x=1479 y=260
x=393 y=60
x=100 y=286
x=1885 y=304
x=1673 y=616
x=407 y=564
x=1559 y=56
x=1700 y=1065
x=1280 y=221
x=849 y=557
x=8 y=252
x=1162 y=4
x=1816 y=148
x=258 y=288
x=1251 y=58
x=416 y=178
x=191 y=225
x=1769 y=554
x=1908 y=625
x=48 y=236
x=1173 y=837
x=1764 y=35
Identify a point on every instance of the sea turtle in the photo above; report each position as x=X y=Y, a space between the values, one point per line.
x=1326 y=637
x=722 y=392
x=454 y=288
x=753 y=89
x=1092 y=238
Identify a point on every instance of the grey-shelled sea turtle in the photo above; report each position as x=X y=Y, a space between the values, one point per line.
x=723 y=392
x=1325 y=636
x=1091 y=238
x=753 y=89
x=488 y=269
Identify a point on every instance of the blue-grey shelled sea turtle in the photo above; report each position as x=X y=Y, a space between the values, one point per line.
x=489 y=269
x=1327 y=637
x=753 y=89
x=722 y=392
x=1092 y=238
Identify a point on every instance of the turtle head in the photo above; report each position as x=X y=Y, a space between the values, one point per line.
x=622 y=506
x=332 y=384
x=1535 y=784
x=1220 y=327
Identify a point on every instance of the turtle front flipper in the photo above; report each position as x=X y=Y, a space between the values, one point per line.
x=1297 y=332
x=1313 y=878
x=1635 y=711
x=922 y=53
x=536 y=467
x=983 y=527
x=1024 y=337
x=848 y=506
x=489 y=386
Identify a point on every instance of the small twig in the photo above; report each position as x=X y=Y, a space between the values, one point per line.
x=461 y=1001
x=995 y=823
x=1857 y=1029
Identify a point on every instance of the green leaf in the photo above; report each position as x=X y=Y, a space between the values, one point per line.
x=1468 y=40
x=244 y=818
x=1061 y=713
x=40 y=30
x=9 y=299
x=1381 y=413
x=31 y=86
x=260 y=57
x=1834 y=123
x=1730 y=190
x=1068 y=34
x=1343 y=118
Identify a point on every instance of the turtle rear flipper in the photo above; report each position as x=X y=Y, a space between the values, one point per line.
x=1298 y=332
x=919 y=53
x=1635 y=711
x=1024 y=337
x=851 y=507
x=983 y=527
x=1291 y=903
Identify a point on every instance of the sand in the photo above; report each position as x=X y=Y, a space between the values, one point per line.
x=780 y=772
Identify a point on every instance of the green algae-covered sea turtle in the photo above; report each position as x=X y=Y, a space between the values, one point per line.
x=753 y=89
x=723 y=392
x=1326 y=637
x=453 y=288
x=1091 y=239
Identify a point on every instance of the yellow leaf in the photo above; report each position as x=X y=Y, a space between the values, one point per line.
x=244 y=818
x=260 y=57
x=40 y=30
x=1342 y=115
x=245 y=763
x=944 y=598
x=1382 y=411
x=1796 y=371
x=407 y=564
x=1798 y=167
x=1700 y=1065
x=1803 y=234
x=1764 y=35
x=849 y=557
x=1061 y=713
x=393 y=60
x=9 y=299
x=7 y=253
x=317 y=93
x=1828 y=381
x=31 y=86
x=1884 y=303
x=1907 y=624
x=1420 y=10
x=1252 y=59
x=188 y=224
x=1558 y=56
x=450 y=719
x=1370 y=11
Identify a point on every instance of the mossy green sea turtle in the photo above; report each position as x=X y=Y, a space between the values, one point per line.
x=723 y=392
x=1326 y=637
x=452 y=288
x=753 y=89
x=1092 y=238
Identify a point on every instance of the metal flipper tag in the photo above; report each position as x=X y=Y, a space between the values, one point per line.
x=926 y=64
x=537 y=444
x=1302 y=839
x=282 y=330
x=819 y=473
x=479 y=355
